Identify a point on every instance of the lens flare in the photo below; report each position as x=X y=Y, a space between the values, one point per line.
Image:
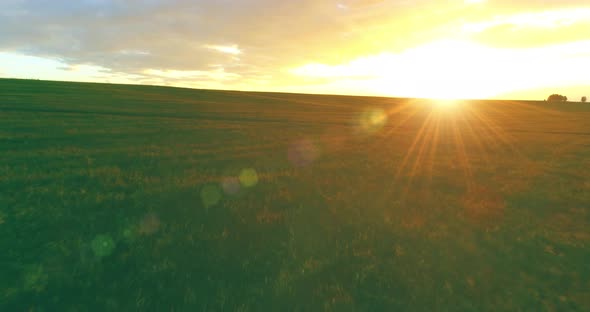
x=149 y=224
x=231 y=185
x=103 y=245
x=210 y=195
x=303 y=153
x=248 y=177
x=372 y=120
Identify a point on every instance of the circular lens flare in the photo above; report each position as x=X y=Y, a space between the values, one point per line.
x=372 y=120
x=248 y=177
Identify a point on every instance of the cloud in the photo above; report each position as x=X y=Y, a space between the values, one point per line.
x=531 y=28
x=219 y=74
x=231 y=49
x=543 y=19
x=188 y=35
x=244 y=42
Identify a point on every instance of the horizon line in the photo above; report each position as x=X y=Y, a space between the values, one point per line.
x=274 y=92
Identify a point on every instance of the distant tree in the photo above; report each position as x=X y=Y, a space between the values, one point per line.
x=584 y=99
x=557 y=98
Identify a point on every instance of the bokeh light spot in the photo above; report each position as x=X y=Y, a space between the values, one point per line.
x=149 y=224
x=231 y=185
x=103 y=245
x=372 y=120
x=302 y=153
x=129 y=233
x=377 y=117
x=210 y=195
x=248 y=177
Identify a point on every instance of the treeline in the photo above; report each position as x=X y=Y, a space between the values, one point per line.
x=562 y=98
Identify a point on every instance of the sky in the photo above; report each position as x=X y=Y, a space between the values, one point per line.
x=504 y=49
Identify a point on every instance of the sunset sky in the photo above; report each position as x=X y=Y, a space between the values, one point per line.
x=524 y=49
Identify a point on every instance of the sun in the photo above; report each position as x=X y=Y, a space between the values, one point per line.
x=449 y=70
x=445 y=70
x=445 y=104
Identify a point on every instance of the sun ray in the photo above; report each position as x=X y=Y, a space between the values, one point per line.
x=407 y=107
x=433 y=151
x=427 y=138
x=413 y=145
x=420 y=156
x=495 y=129
x=415 y=153
x=410 y=105
x=462 y=154
x=483 y=151
x=486 y=134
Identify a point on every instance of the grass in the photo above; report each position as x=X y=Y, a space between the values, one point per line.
x=122 y=198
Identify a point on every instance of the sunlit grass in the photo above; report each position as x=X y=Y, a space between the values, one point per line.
x=223 y=200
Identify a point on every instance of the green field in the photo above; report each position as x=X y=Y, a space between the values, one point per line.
x=125 y=198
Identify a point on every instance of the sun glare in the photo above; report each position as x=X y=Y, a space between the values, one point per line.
x=445 y=104
x=452 y=69
x=444 y=69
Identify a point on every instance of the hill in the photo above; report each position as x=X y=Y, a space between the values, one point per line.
x=123 y=197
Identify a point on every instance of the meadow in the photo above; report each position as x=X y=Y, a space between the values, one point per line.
x=145 y=198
